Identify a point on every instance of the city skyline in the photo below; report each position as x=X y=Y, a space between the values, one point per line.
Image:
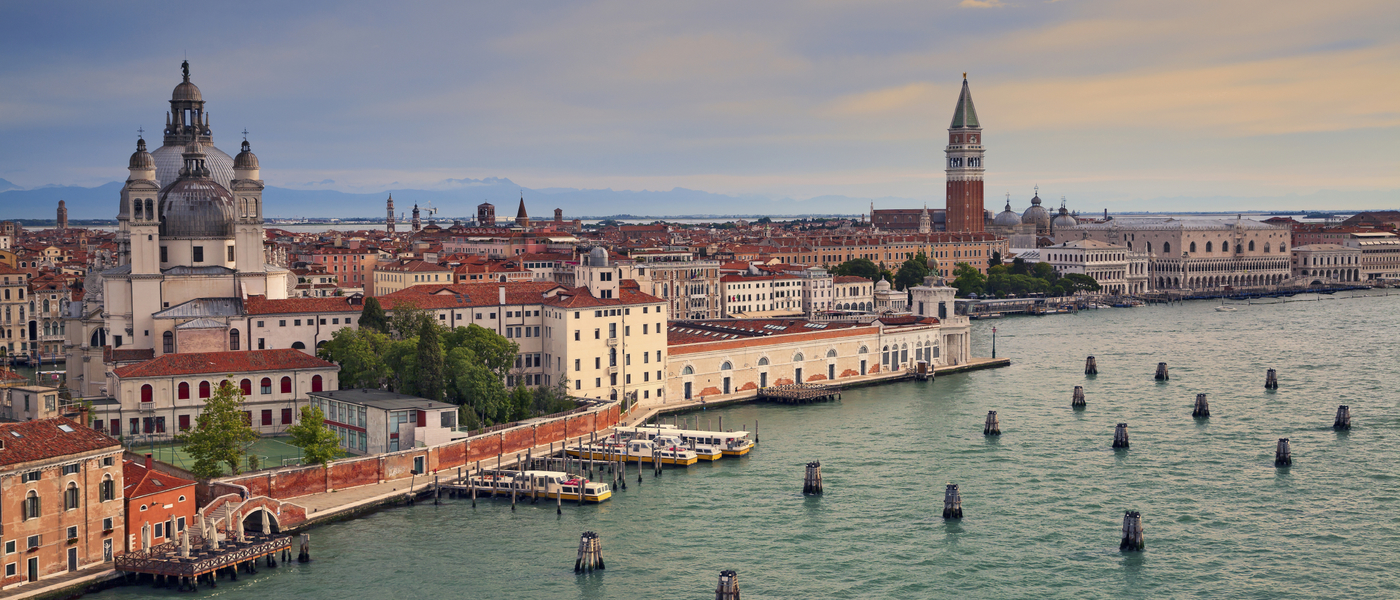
x=1102 y=103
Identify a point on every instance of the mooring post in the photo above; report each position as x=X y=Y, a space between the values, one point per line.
x=952 y=502
x=1202 y=409
x=812 y=481
x=755 y=431
x=993 y=427
x=1162 y=372
x=622 y=471
x=559 y=501
x=1120 y=436
x=728 y=588
x=1132 y=532
x=1343 y=418
x=305 y=554
x=436 y=491
x=514 y=490
x=1283 y=457
x=1271 y=380
x=1077 y=400
x=639 y=468
x=1091 y=366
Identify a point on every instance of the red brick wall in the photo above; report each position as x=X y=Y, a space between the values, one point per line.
x=549 y=433
x=517 y=439
x=485 y=448
x=351 y=473
x=298 y=482
x=398 y=466
x=452 y=455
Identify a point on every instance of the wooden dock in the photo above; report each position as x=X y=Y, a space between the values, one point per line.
x=798 y=393
x=164 y=560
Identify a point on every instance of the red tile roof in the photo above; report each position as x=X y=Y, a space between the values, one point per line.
x=44 y=439
x=260 y=305
x=429 y=297
x=221 y=363
x=8 y=376
x=140 y=481
x=111 y=355
x=581 y=298
x=849 y=279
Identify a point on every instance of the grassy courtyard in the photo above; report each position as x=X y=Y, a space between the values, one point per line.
x=269 y=452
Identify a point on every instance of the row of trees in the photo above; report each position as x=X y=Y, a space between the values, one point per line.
x=1019 y=278
x=410 y=353
x=911 y=272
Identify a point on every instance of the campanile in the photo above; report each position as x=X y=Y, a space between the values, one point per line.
x=964 y=167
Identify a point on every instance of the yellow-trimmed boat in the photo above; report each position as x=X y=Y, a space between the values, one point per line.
x=544 y=484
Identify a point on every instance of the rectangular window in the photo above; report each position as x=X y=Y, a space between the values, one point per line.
x=180 y=524
x=597 y=333
x=33 y=541
x=184 y=422
x=267 y=416
x=333 y=321
x=160 y=530
x=286 y=416
x=281 y=322
x=164 y=256
x=597 y=362
x=627 y=330
x=598 y=382
x=10 y=569
x=260 y=324
x=9 y=547
x=578 y=384
x=644 y=328
x=261 y=344
x=297 y=323
x=323 y=321
x=30 y=476
x=160 y=424
x=107 y=524
x=576 y=335
x=230 y=253
x=578 y=364
x=199 y=254
x=70 y=469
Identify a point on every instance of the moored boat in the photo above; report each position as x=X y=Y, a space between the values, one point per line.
x=636 y=449
x=543 y=484
x=729 y=443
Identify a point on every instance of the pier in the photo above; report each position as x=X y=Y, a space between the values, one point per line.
x=798 y=393
x=168 y=561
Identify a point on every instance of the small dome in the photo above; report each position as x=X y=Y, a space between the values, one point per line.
x=141 y=159
x=1036 y=215
x=194 y=148
x=1064 y=219
x=882 y=286
x=1007 y=218
x=598 y=257
x=196 y=207
x=186 y=92
x=245 y=159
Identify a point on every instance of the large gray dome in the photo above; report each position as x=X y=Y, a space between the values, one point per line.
x=196 y=207
x=1036 y=215
x=170 y=159
x=1007 y=218
x=1064 y=219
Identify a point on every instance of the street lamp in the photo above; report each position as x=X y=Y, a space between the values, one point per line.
x=994 y=342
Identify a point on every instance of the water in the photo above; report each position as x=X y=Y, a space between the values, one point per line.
x=1043 y=502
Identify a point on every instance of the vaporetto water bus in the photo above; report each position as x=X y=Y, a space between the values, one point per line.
x=730 y=443
x=548 y=484
x=636 y=449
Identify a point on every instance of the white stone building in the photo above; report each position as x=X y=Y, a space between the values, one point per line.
x=375 y=421
x=1323 y=262
x=1117 y=269
x=1380 y=254
x=1197 y=254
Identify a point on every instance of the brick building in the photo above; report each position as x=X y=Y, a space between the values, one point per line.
x=158 y=505
x=60 y=498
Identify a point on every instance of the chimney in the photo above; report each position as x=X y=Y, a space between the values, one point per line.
x=502 y=290
x=83 y=417
x=148 y=462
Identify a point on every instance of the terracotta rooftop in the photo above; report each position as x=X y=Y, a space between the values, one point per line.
x=223 y=363
x=469 y=294
x=49 y=439
x=690 y=332
x=140 y=481
x=260 y=305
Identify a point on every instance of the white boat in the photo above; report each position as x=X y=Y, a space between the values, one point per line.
x=544 y=484
x=636 y=449
x=729 y=443
x=1224 y=308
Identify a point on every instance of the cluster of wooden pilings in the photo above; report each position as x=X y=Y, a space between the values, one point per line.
x=590 y=553
x=812 y=480
x=952 y=502
x=992 y=426
x=728 y=588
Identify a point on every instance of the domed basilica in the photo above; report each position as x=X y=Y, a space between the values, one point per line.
x=189 y=246
x=1032 y=227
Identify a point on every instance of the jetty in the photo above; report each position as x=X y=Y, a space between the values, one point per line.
x=187 y=564
x=798 y=393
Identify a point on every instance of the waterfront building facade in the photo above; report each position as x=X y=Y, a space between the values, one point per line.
x=378 y=421
x=60 y=499
x=158 y=505
x=852 y=293
x=1380 y=255
x=1323 y=262
x=1117 y=269
x=758 y=296
x=1197 y=254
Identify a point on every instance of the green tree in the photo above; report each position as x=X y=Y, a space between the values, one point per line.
x=1082 y=283
x=995 y=260
x=408 y=319
x=430 y=379
x=1044 y=271
x=221 y=433
x=360 y=354
x=319 y=445
x=912 y=272
x=1019 y=266
x=968 y=279
x=859 y=267
x=372 y=316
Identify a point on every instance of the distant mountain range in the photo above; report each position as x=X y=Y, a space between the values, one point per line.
x=458 y=198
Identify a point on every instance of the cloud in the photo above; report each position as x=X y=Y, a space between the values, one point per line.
x=981 y=3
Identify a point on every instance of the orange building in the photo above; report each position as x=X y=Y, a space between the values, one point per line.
x=158 y=505
x=61 y=505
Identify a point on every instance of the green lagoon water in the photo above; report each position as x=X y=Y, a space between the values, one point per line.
x=1043 y=502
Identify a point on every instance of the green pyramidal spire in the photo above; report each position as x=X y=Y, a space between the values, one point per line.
x=966 y=114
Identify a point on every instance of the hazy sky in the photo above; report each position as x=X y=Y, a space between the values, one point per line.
x=1105 y=102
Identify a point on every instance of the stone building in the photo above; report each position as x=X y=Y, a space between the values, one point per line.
x=1117 y=269
x=1197 y=254
x=1324 y=262
x=964 y=167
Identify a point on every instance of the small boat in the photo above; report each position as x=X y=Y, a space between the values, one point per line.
x=1224 y=308
x=644 y=450
x=730 y=443
x=542 y=484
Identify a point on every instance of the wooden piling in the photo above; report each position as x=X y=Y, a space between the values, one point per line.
x=812 y=481
x=1162 y=372
x=1283 y=456
x=1091 y=366
x=1077 y=401
x=728 y=588
x=1343 y=418
x=304 y=555
x=952 y=502
x=590 y=553
x=993 y=426
x=1271 y=380
x=1202 y=409
x=1132 y=532
x=1120 y=436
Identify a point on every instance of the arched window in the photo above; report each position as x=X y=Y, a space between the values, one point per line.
x=1207 y=246
x=1166 y=247
x=1224 y=246
x=688 y=370
x=298 y=346
x=1251 y=245
x=246 y=386
x=99 y=338
x=183 y=392
x=831 y=353
x=233 y=339
x=1193 y=246
x=286 y=385
x=265 y=385
x=798 y=357
x=107 y=491
x=1282 y=247
x=70 y=497
x=726 y=366
x=204 y=389
x=168 y=342
x=1266 y=247
x=864 y=349
x=316 y=383
x=763 y=362
x=147 y=393
x=885 y=358
x=31 y=505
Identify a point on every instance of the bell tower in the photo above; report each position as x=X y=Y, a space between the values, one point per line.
x=964 y=167
x=247 y=250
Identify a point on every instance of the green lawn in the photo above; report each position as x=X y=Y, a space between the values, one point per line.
x=270 y=452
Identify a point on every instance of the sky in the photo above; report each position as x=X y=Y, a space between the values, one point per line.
x=1125 y=105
